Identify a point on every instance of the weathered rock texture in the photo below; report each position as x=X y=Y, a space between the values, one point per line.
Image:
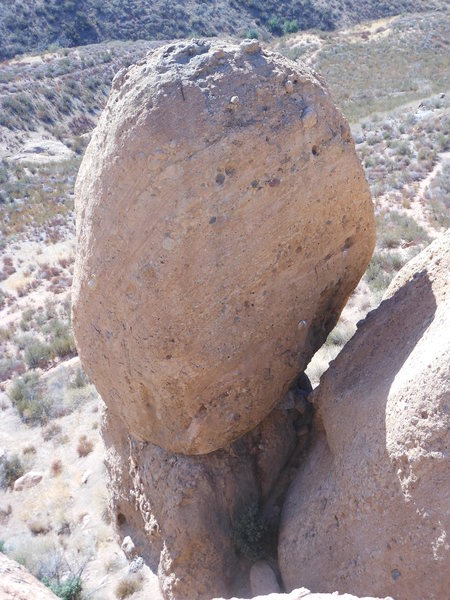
x=16 y=583
x=369 y=510
x=223 y=219
x=304 y=594
x=180 y=511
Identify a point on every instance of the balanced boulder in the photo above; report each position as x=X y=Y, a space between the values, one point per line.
x=223 y=219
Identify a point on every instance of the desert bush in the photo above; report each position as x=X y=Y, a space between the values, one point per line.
x=274 y=26
x=56 y=467
x=85 y=446
x=62 y=344
x=340 y=335
x=27 y=317
x=36 y=353
x=128 y=585
x=11 y=468
x=51 y=431
x=394 y=227
x=69 y=589
x=251 y=533
x=38 y=526
x=290 y=26
x=9 y=367
x=26 y=395
x=382 y=269
x=79 y=379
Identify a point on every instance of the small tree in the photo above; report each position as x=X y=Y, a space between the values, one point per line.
x=291 y=26
x=252 y=34
x=274 y=26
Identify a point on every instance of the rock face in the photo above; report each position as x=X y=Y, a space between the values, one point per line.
x=181 y=511
x=16 y=583
x=368 y=512
x=223 y=219
x=263 y=579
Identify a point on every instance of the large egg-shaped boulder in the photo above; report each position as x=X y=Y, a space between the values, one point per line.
x=223 y=219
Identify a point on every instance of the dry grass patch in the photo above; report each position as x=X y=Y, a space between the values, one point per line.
x=128 y=585
x=85 y=446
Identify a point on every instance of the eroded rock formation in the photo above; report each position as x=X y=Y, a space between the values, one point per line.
x=181 y=510
x=16 y=583
x=223 y=219
x=368 y=512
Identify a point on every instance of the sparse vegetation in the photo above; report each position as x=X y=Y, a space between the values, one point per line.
x=69 y=589
x=251 y=533
x=85 y=446
x=51 y=431
x=11 y=468
x=395 y=229
x=56 y=467
x=128 y=585
x=36 y=353
x=52 y=23
x=26 y=395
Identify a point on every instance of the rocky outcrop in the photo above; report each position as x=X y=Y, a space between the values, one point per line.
x=16 y=583
x=182 y=512
x=304 y=594
x=223 y=219
x=368 y=511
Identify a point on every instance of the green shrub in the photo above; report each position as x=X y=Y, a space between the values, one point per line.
x=251 y=533
x=252 y=34
x=394 y=227
x=382 y=269
x=62 y=343
x=11 y=468
x=274 y=26
x=290 y=26
x=26 y=395
x=37 y=353
x=2 y=546
x=70 y=589
x=79 y=379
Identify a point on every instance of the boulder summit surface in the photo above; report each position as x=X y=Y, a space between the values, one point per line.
x=223 y=219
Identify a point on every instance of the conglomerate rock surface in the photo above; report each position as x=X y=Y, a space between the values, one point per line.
x=368 y=512
x=223 y=219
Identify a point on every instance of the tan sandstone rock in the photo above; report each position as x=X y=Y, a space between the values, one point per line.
x=181 y=511
x=223 y=219
x=16 y=583
x=263 y=579
x=369 y=511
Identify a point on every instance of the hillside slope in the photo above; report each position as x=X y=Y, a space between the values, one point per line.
x=37 y=24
